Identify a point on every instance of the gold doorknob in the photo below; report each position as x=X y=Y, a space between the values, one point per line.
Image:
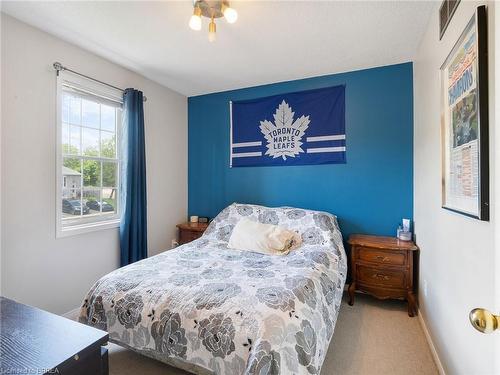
x=484 y=321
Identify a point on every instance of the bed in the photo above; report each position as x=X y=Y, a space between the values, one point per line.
x=209 y=309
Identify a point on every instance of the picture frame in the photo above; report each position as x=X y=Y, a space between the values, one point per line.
x=446 y=12
x=464 y=122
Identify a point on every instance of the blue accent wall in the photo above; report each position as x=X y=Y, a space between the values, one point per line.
x=371 y=193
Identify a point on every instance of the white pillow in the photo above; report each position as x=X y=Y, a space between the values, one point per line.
x=263 y=238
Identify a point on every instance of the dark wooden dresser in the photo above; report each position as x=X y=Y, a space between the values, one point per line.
x=383 y=267
x=33 y=341
x=190 y=231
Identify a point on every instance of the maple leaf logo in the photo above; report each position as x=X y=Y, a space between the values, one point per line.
x=285 y=135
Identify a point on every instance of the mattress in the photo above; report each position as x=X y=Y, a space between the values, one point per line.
x=213 y=310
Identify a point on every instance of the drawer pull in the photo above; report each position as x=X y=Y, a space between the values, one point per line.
x=380 y=276
x=382 y=258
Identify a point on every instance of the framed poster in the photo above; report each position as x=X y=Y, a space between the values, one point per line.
x=464 y=81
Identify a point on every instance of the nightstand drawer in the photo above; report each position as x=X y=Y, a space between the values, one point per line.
x=190 y=231
x=374 y=276
x=368 y=254
x=188 y=236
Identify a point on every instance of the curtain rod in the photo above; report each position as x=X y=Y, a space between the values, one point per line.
x=60 y=67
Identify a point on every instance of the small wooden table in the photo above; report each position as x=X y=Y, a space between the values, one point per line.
x=33 y=341
x=382 y=267
x=190 y=231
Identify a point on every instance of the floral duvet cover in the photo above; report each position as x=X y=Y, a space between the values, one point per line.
x=212 y=310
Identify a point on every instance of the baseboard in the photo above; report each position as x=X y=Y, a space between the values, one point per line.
x=434 y=353
x=73 y=314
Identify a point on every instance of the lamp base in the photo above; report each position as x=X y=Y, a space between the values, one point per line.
x=210 y=8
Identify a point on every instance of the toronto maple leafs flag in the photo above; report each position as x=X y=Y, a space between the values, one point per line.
x=306 y=127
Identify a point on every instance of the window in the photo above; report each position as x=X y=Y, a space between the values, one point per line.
x=88 y=159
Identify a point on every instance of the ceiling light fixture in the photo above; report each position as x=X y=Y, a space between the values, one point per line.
x=195 y=21
x=211 y=9
x=211 y=31
x=230 y=14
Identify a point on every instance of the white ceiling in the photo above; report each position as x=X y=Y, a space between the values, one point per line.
x=272 y=41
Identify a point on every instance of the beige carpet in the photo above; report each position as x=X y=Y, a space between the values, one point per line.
x=372 y=337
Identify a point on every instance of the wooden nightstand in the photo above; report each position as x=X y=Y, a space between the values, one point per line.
x=382 y=267
x=190 y=231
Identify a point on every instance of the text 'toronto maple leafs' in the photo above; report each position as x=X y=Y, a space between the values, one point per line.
x=285 y=135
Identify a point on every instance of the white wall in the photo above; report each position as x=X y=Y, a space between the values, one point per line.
x=37 y=268
x=458 y=254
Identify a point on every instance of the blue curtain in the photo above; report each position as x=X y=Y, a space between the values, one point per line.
x=133 y=224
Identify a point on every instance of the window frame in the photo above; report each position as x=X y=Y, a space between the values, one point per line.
x=93 y=88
